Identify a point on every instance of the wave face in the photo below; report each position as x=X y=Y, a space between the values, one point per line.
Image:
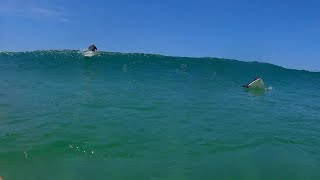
x=64 y=116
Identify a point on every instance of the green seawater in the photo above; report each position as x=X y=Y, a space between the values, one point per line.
x=141 y=116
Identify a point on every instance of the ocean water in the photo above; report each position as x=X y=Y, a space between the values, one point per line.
x=141 y=116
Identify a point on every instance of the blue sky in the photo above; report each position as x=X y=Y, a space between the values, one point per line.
x=284 y=32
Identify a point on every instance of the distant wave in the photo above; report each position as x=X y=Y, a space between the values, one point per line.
x=67 y=53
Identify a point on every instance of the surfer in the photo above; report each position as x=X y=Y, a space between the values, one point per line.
x=92 y=48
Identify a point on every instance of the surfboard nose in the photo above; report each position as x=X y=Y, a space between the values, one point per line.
x=257 y=83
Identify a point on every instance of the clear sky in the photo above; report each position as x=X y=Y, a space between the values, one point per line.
x=282 y=32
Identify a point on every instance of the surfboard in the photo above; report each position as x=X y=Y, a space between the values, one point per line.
x=89 y=53
x=255 y=84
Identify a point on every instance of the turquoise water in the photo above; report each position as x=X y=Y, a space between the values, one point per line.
x=139 y=116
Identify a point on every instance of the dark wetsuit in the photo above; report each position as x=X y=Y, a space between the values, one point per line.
x=92 y=48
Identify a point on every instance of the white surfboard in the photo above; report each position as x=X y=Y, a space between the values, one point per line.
x=255 y=84
x=89 y=53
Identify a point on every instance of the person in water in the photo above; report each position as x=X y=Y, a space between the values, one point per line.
x=92 y=48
